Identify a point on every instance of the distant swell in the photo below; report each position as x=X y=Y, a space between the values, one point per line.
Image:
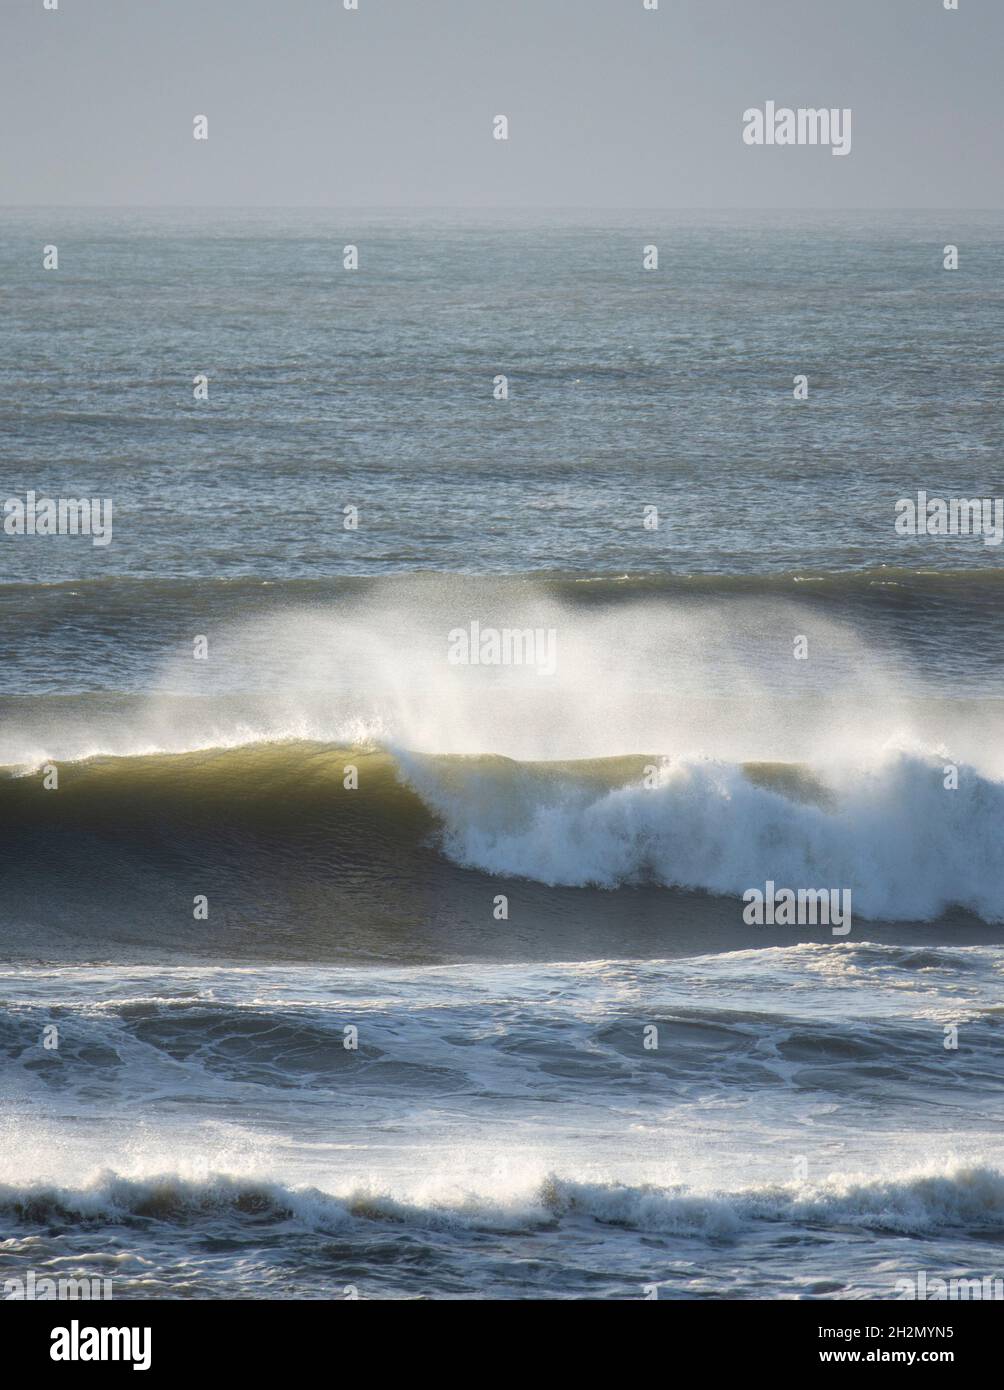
x=964 y=581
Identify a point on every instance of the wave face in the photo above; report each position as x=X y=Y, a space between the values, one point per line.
x=330 y=825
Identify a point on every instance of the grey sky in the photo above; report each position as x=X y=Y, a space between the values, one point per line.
x=610 y=105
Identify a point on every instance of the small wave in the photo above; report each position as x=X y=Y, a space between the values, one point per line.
x=956 y=1198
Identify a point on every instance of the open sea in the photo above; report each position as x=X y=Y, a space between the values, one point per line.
x=332 y=966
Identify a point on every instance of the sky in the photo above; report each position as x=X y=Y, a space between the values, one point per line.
x=609 y=104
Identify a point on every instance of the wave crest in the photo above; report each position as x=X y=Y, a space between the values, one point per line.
x=970 y=1197
x=907 y=846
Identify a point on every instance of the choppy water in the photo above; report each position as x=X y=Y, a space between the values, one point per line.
x=207 y=1133
x=501 y=1130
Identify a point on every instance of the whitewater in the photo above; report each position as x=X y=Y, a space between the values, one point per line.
x=205 y=1132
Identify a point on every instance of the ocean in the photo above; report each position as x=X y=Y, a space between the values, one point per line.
x=378 y=806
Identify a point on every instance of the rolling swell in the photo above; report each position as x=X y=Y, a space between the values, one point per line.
x=964 y=581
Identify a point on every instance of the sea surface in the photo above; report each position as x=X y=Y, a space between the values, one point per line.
x=333 y=967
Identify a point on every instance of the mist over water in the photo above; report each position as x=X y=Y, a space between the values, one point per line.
x=665 y=672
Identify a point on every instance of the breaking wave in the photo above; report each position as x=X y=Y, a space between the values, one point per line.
x=956 y=1197
x=888 y=829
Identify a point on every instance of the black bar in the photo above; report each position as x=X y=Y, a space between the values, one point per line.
x=751 y=1337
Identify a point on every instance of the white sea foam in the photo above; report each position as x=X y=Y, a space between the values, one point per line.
x=889 y=829
x=919 y=1202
